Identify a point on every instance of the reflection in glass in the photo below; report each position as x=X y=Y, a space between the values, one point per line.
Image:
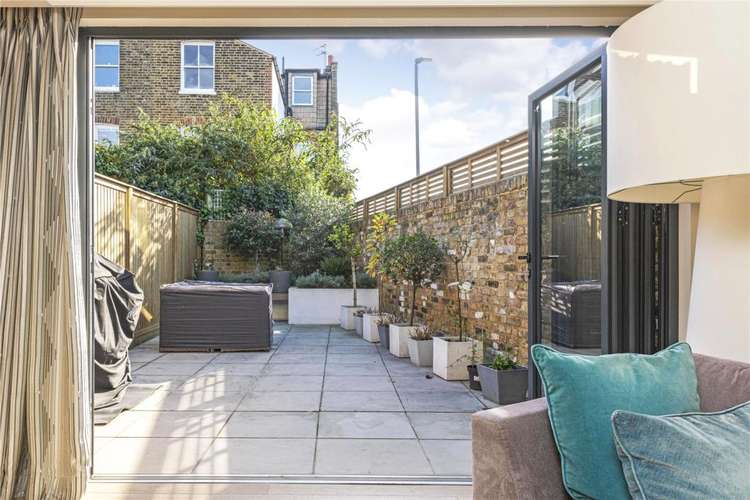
x=571 y=195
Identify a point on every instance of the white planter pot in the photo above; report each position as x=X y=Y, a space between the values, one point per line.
x=450 y=358
x=322 y=306
x=420 y=352
x=399 y=339
x=370 y=327
x=346 y=317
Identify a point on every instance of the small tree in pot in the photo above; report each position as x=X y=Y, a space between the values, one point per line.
x=349 y=242
x=415 y=259
x=453 y=354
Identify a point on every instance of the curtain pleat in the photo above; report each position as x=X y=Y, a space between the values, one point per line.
x=44 y=394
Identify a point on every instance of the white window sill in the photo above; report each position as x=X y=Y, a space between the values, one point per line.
x=197 y=91
x=298 y=105
x=107 y=90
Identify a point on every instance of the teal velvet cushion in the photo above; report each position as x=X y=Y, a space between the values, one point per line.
x=583 y=391
x=687 y=456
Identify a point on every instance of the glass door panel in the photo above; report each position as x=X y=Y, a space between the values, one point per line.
x=570 y=166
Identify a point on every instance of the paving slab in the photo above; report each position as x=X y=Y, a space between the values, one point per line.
x=143 y=355
x=242 y=357
x=299 y=357
x=357 y=383
x=434 y=383
x=224 y=369
x=159 y=367
x=280 y=401
x=440 y=401
x=250 y=456
x=361 y=401
x=188 y=357
x=271 y=425
x=379 y=457
x=164 y=424
x=191 y=401
x=441 y=425
x=449 y=458
x=151 y=455
x=215 y=384
x=366 y=425
x=349 y=369
x=294 y=369
x=280 y=383
x=354 y=358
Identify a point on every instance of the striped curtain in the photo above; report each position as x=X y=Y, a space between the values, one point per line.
x=44 y=393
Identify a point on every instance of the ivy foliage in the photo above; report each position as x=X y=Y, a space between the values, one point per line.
x=243 y=148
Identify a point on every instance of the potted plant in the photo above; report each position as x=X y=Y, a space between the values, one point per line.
x=280 y=277
x=384 y=320
x=348 y=242
x=370 y=326
x=208 y=273
x=503 y=380
x=415 y=260
x=382 y=226
x=420 y=346
x=358 y=321
x=453 y=354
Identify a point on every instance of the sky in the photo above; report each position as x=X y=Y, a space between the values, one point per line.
x=472 y=94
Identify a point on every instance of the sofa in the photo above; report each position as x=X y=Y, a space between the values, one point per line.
x=514 y=453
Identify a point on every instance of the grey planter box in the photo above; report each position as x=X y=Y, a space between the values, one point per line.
x=280 y=280
x=385 y=337
x=358 y=324
x=504 y=386
x=420 y=352
x=208 y=275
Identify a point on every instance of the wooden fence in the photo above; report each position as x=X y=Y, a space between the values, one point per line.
x=576 y=236
x=153 y=237
x=496 y=162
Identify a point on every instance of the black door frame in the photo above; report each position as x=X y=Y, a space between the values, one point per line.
x=598 y=56
x=639 y=294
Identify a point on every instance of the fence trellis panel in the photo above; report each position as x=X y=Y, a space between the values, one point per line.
x=153 y=237
x=502 y=160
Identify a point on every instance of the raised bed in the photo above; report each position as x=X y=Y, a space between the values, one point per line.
x=322 y=306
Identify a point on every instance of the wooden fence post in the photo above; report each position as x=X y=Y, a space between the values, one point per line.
x=446 y=181
x=396 y=200
x=128 y=227
x=175 y=241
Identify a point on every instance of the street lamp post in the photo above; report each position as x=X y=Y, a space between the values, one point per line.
x=417 y=61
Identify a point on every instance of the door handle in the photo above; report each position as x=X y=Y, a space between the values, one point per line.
x=550 y=257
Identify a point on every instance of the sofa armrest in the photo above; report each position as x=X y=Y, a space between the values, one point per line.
x=514 y=453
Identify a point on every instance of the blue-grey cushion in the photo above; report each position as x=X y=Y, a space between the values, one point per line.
x=583 y=391
x=685 y=456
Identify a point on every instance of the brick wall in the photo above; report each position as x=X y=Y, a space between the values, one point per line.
x=494 y=218
x=216 y=252
x=150 y=73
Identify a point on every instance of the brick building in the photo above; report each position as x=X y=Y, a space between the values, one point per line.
x=312 y=95
x=175 y=81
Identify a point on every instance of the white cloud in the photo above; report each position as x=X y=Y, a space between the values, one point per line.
x=484 y=87
x=444 y=136
x=381 y=48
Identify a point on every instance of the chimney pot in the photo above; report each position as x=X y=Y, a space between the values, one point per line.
x=330 y=59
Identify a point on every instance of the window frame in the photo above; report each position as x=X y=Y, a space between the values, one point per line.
x=311 y=91
x=106 y=126
x=198 y=43
x=98 y=88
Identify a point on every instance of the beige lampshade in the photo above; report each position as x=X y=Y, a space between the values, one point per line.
x=678 y=100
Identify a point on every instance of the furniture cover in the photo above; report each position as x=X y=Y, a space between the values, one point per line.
x=576 y=313
x=515 y=455
x=117 y=307
x=207 y=316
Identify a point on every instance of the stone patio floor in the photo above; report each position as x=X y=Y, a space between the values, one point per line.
x=322 y=402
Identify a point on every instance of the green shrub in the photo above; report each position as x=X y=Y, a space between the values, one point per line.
x=253 y=235
x=336 y=265
x=251 y=277
x=313 y=217
x=364 y=280
x=320 y=280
